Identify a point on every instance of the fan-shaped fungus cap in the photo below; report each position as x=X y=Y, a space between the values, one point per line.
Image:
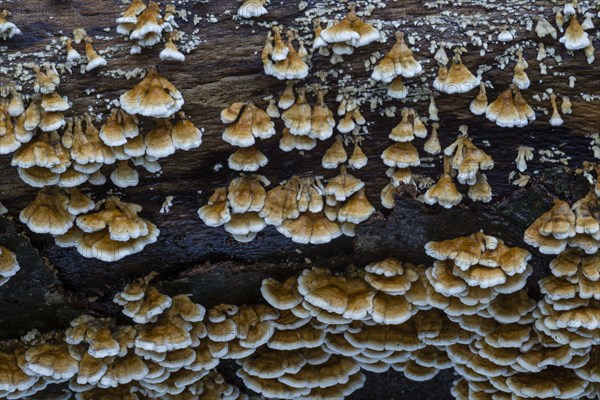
x=131 y=13
x=170 y=52
x=335 y=155
x=479 y=104
x=502 y=111
x=391 y=276
x=94 y=59
x=575 y=37
x=154 y=96
x=124 y=176
x=458 y=79
x=404 y=131
x=298 y=117
x=289 y=142
x=249 y=122
x=247 y=159
x=322 y=121
x=7 y=28
x=550 y=231
x=432 y=145
x=216 y=212
x=464 y=251
x=282 y=296
x=357 y=209
x=351 y=29
x=481 y=190
x=8 y=266
x=252 y=8
x=443 y=192
x=51 y=360
x=310 y=227
x=343 y=185
x=49 y=212
x=401 y=155
x=292 y=66
x=112 y=233
x=399 y=61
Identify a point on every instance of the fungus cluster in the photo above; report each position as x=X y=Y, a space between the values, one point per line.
x=466 y=162
x=402 y=155
x=246 y=123
x=576 y=226
x=146 y=26
x=320 y=332
x=457 y=78
x=398 y=63
x=58 y=154
x=344 y=36
x=302 y=209
x=280 y=58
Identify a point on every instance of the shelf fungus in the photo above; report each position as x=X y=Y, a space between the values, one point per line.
x=54 y=210
x=509 y=111
x=246 y=122
x=467 y=159
x=457 y=78
x=9 y=265
x=144 y=24
x=444 y=192
x=237 y=207
x=252 y=8
x=479 y=104
x=335 y=155
x=94 y=60
x=472 y=273
x=352 y=118
x=351 y=30
x=170 y=52
x=7 y=28
x=520 y=78
x=280 y=59
x=110 y=233
x=577 y=226
x=154 y=96
x=396 y=64
x=575 y=37
x=247 y=159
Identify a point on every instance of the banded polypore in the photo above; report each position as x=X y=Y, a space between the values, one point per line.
x=112 y=232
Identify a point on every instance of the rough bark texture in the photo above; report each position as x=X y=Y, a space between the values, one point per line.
x=56 y=284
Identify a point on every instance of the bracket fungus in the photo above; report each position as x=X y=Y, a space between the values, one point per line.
x=508 y=111
x=246 y=123
x=94 y=60
x=280 y=59
x=575 y=37
x=110 y=233
x=351 y=30
x=396 y=64
x=252 y=8
x=457 y=78
x=154 y=96
x=576 y=226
